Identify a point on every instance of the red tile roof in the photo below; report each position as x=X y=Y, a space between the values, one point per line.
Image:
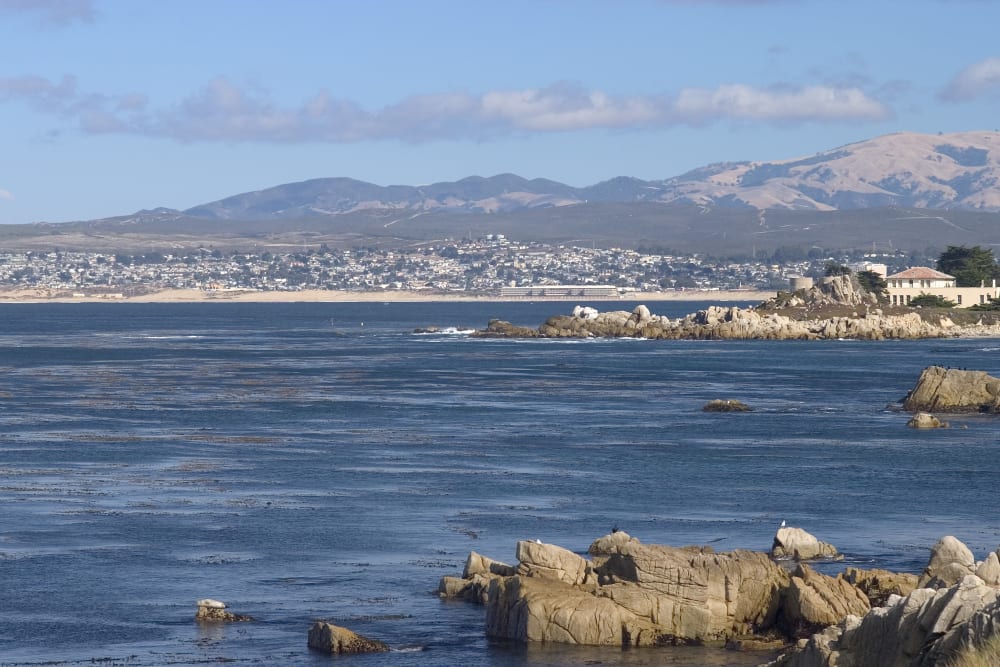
x=920 y=273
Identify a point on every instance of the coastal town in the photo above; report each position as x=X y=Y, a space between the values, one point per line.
x=483 y=266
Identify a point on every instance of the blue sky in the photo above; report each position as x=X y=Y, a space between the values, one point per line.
x=110 y=106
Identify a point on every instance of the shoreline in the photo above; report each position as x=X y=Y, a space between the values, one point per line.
x=344 y=296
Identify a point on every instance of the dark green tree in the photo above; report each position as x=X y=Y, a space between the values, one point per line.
x=991 y=305
x=873 y=282
x=931 y=301
x=835 y=269
x=970 y=266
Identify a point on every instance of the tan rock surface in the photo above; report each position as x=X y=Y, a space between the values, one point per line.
x=950 y=562
x=329 y=638
x=797 y=544
x=549 y=561
x=952 y=390
x=814 y=601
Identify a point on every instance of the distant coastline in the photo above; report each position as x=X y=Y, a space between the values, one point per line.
x=345 y=296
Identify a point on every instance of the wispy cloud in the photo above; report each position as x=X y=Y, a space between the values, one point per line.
x=813 y=103
x=5 y=195
x=978 y=79
x=54 y=12
x=223 y=111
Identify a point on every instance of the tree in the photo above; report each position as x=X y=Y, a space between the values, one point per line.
x=873 y=282
x=930 y=301
x=991 y=305
x=970 y=266
x=834 y=269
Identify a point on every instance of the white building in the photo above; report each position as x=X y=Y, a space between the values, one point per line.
x=906 y=285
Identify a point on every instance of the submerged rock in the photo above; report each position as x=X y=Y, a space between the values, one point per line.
x=926 y=420
x=210 y=610
x=727 y=405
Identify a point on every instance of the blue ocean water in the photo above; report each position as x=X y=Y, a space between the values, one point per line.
x=322 y=461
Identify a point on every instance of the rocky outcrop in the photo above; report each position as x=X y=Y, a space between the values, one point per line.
x=878 y=585
x=725 y=405
x=952 y=390
x=636 y=594
x=950 y=562
x=925 y=627
x=814 y=601
x=329 y=638
x=474 y=583
x=926 y=420
x=633 y=594
x=732 y=322
x=630 y=593
x=548 y=561
x=214 y=611
x=718 y=322
x=921 y=630
x=795 y=316
x=830 y=291
x=797 y=544
x=504 y=329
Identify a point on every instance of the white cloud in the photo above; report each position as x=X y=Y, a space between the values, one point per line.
x=564 y=107
x=6 y=195
x=56 y=12
x=223 y=111
x=977 y=79
x=813 y=103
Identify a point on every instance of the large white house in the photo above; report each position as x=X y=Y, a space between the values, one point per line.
x=913 y=282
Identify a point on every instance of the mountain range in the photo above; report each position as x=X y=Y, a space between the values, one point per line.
x=903 y=191
x=954 y=171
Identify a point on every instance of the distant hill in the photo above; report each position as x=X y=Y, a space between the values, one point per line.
x=953 y=171
x=904 y=191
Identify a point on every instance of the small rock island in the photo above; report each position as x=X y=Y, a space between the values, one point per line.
x=837 y=308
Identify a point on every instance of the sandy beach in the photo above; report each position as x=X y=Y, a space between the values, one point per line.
x=342 y=296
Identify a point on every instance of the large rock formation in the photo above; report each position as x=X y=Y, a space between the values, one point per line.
x=814 y=601
x=630 y=593
x=952 y=609
x=921 y=630
x=952 y=390
x=634 y=594
x=830 y=291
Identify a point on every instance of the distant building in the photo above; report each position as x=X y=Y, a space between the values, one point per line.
x=800 y=282
x=593 y=291
x=874 y=267
x=906 y=285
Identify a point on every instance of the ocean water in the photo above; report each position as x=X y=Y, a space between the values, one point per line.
x=322 y=461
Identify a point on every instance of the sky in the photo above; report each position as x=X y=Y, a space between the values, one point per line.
x=112 y=106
